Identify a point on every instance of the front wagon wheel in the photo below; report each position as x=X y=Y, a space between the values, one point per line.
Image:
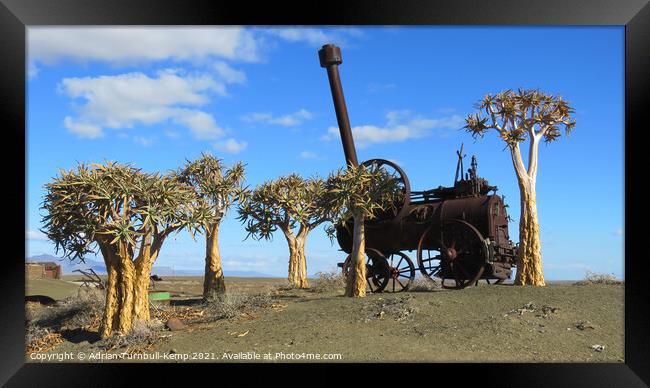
x=402 y=272
x=459 y=254
x=377 y=270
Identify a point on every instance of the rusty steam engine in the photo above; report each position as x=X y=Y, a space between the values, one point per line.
x=459 y=233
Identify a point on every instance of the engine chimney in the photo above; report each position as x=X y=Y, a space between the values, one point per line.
x=330 y=58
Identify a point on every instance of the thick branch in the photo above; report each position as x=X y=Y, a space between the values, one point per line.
x=287 y=221
x=303 y=231
x=288 y=233
x=532 y=156
x=145 y=248
x=517 y=162
x=157 y=242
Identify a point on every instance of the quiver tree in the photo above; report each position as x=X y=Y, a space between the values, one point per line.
x=293 y=205
x=216 y=189
x=126 y=214
x=527 y=115
x=357 y=194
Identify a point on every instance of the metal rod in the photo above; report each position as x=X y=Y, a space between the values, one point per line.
x=330 y=58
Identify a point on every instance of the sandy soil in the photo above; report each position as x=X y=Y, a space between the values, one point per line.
x=557 y=323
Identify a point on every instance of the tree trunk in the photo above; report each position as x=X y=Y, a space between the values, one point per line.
x=127 y=297
x=110 y=308
x=125 y=293
x=302 y=261
x=356 y=281
x=213 y=282
x=529 y=262
x=141 y=289
x=529 y=265
x=294 y=276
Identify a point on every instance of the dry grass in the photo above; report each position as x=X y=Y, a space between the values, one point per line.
x=232 y=304
x=35 y=333
x=44 y=325
x=185 y=314
x=142 y=337
x=287 y=287
x=79 y=311
x=39 y=341
x=422 y=284
x=598 y=278
x=329 y=281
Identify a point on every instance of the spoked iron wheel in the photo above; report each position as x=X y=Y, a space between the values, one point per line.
x=377 y=270
x=459 y=255
x=402 y=272
x=401 y=205
x=429 y=259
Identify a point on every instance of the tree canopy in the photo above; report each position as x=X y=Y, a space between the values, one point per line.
x=520 y=115
x=125 y=212
x=114 y=202
x=284 y=203
x=216 y=187
x=363 y=190
x=287 y=203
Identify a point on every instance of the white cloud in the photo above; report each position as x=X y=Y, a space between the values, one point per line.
x=85 y=130
x=129 y=45
x=228 y=74
x=143 y=141
x=35 y=235
x=231 y=146
x=200 y=123
x=619 y=232
x=315 y=36
x=124 y=100
x=312 y=36
x=308 y=155
x=201 y=46
x=366 y=134
x=400 y=125
x=288 y=120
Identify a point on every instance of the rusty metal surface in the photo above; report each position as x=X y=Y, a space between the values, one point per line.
x=459 y=233
x=330 y=58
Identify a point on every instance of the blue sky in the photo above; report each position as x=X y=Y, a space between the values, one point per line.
x=156 y=96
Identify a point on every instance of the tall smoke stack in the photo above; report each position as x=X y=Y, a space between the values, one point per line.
x=330 y=58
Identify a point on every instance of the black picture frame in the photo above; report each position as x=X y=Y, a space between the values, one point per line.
x=17 y=15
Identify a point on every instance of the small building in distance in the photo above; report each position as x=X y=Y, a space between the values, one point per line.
x=43 y=270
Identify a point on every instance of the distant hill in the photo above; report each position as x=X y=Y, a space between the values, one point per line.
x=68 y=267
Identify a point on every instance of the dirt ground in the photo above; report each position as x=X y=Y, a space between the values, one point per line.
x=561 y=322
